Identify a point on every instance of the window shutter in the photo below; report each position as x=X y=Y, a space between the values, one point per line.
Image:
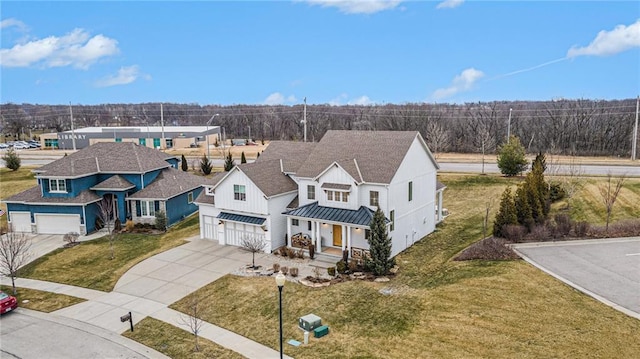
x=67 y=184
x=137 y=208
x=156 y=204
x=45 y=184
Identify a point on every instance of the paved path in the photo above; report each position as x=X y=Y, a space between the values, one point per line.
x=606 y=269
x=150 y=286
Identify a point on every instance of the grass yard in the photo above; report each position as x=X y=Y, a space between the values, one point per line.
x=439 y=308
x=12 y=182
x=42 y=301
x=88 y=265
x=175 y=342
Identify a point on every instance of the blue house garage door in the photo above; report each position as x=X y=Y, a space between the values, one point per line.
x=20 y=221
x=57 y=223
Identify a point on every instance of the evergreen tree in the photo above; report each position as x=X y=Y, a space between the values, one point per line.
x=183 y=164
x=205 y=165
x=541 y=186
x=243 y=159
x=228 y=162
x=379 y=245
x=524 y=212
x=511 y=157
x=11 y=159
x=506 y=214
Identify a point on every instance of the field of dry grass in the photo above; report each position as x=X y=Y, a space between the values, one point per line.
x=439 y=308
x=46 y=302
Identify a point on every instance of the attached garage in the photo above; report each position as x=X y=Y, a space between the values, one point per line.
x=20 y=221
x=57 y=223
x=238 y=227
x=208 y=227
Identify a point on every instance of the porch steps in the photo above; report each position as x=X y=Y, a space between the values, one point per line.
x=324 y=260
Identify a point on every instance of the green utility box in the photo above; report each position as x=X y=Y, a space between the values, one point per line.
x=309 y=322
x=320 y=332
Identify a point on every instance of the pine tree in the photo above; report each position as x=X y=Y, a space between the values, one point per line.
x=228 y=162
x=11 y=159
x=205 y=165
x=379 y=245
x=506 y=214
x=511 y=157
x=183 y=164
x=243 y=158
x=524 y=212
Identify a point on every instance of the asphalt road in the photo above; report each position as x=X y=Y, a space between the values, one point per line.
x=605 y=269
x=29 y=334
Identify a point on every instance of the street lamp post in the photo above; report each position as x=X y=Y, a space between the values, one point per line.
x=207 y=134
x=280 y=279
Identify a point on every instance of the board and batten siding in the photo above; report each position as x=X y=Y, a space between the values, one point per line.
x=413 y=219
x=254 y=203
x=276 y=221
x=337 y=175
x=364 y=196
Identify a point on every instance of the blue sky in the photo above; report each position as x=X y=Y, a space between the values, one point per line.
x=336 y=52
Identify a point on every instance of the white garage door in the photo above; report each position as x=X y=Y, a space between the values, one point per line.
x=236 y=232
x=57 y=223
x=207 y=225
x=21 y=221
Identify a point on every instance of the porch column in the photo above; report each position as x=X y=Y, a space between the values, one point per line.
x=288 y=244
x=313 y=232
x=344 y=236
x=349 y=238
x=440 y=206
x=316 y=228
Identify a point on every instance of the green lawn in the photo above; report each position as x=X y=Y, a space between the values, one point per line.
x=88 y=265
x=41 y=301
x=175 y=342
x=439 y=308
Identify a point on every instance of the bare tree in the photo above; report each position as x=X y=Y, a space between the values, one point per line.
x=193 y=319
x=437 y=138
x=15 y=251
x=573 y=179
x=609 y=192
x=254 y=245
x=485 y=223
x=106 y=213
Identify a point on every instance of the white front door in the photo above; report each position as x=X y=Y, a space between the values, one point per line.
x=57 y=223
x=20 y=221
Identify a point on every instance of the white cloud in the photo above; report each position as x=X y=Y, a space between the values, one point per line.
x=75 y=49
x=362 y=100
x=460 y=83
x=338 y=100
x=125 y=75
x=449 y=4
x=358 y=6
x=277 y=98
x=11 y=22
x=620 y=39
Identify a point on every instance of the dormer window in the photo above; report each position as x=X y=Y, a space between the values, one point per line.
x=337 y=192
x=58 y=185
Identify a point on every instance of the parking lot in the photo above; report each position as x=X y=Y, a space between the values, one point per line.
x=606 y=269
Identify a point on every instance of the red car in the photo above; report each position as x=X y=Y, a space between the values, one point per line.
x=7 y=302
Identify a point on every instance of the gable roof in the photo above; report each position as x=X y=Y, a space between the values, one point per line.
x=169 y=183
x=34 y=196
x=268 y=177
x=106 y=157
x=293 y=154
x=116 y=182
x=369 y=156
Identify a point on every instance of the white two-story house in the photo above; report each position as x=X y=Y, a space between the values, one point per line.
x=326 y=193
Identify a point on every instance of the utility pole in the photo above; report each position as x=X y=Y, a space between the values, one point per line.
x=73 y=134
x=163 y=144
x=635 y=132
x=509 y=126
x=304 y=119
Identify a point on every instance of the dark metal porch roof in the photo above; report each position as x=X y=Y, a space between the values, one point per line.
x=241 y=218
x=361 y=217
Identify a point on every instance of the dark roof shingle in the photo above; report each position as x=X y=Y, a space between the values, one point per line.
x=34 y=196
x=293 y=154
x=169 y=183
x=115 y=182
x=268 y=177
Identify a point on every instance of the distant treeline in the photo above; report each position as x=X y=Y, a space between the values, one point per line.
x=580 y=127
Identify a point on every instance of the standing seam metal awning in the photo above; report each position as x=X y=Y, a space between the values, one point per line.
x=361 y=217
x=241 y=218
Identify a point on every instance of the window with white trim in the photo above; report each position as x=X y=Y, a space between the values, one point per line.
x=337 y=196
x=410 y=191
x=311 y=192
x=58 y=185
x=295 y=222
x=374 y=198
x=190 y=197
x=147 y=209
x=239 y=192
x=392 y=216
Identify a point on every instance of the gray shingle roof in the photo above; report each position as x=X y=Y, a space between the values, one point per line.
x=377 y=154
x=268 y=177
x=241 y=218
x=116 y=182
x=110 y=157
x=292 y=154
x=34 y=196
x=204 y=199
x=336 y=186
x=169 y=183
x=293 y=204
x=360 y=217
x=440 y=185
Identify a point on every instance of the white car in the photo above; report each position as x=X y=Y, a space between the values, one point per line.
x=20 y=146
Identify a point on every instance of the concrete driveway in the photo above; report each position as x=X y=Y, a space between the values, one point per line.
x=606 y=269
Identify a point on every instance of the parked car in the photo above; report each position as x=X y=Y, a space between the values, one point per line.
x=3 y=146
x=20 y=146
x=7 y=302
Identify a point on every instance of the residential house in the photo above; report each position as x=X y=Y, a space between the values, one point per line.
x=326 y=193
x=136 y=181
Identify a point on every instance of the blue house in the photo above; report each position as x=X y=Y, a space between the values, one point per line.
x=114 y=180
